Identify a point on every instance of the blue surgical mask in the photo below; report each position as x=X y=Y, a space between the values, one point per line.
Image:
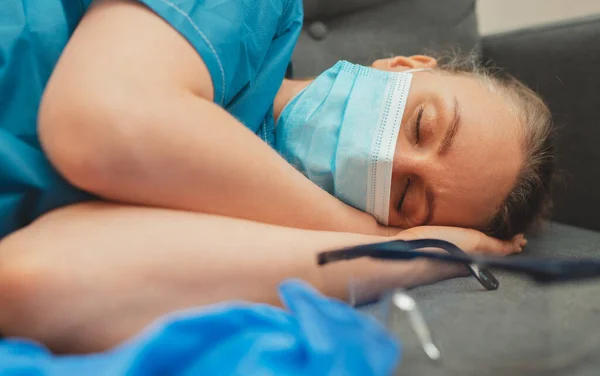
x=341 y=133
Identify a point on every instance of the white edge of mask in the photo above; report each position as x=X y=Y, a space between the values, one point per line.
x=384 y=147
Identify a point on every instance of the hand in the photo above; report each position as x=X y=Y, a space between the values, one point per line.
x=469 y=240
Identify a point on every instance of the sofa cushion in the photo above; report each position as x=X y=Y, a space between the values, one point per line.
x=319 y=9
x=392 y=27
x=521 y=322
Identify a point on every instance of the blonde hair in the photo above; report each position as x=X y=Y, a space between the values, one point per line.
x=529 y=200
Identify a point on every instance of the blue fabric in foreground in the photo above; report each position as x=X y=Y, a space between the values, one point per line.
x=315 y=336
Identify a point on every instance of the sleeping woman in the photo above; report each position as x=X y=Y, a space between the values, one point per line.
x=171 y=165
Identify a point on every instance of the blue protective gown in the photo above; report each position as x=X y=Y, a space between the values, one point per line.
x=314 y=336
x=246 y=45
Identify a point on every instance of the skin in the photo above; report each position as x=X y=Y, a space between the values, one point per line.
x=465 y=183
x=145 y=134
x=186 y=231
x=467 y=178
x=140 y=144
x=86 y=277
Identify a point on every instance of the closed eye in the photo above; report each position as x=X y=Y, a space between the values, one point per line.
x=403 y=197
x=417 y=126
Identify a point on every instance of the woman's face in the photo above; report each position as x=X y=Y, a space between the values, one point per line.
x=458 y=152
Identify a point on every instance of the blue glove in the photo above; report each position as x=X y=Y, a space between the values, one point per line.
x=317 y=336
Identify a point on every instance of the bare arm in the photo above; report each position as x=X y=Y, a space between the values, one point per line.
x=86 y=277
x=128 y=116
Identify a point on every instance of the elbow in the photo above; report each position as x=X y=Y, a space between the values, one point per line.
x=46 y=297
x=27 y=287
x=89 y=138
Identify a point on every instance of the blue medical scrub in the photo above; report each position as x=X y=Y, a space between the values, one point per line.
x=246 y=45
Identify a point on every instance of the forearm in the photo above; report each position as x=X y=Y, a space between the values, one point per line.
x=200 y=158
x=194 y=156
x=124 y=267
x=149 y=134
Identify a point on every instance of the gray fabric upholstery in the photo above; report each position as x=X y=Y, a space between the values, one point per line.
x=520 y=323
x=561 y=62
x=394 y=27
x=315 y=9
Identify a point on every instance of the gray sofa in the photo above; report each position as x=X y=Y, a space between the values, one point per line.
x=561 y=62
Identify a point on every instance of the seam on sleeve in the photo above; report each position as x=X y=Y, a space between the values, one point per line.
x=191 y=21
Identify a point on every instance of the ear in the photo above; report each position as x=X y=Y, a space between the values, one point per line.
x=402 y=63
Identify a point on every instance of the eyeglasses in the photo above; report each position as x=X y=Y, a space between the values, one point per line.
x=537 y=330
x=542 y=271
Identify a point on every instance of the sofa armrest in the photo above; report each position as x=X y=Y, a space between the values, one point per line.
x=562 y=63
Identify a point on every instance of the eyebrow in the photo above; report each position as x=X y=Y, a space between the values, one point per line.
x=450 y=135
